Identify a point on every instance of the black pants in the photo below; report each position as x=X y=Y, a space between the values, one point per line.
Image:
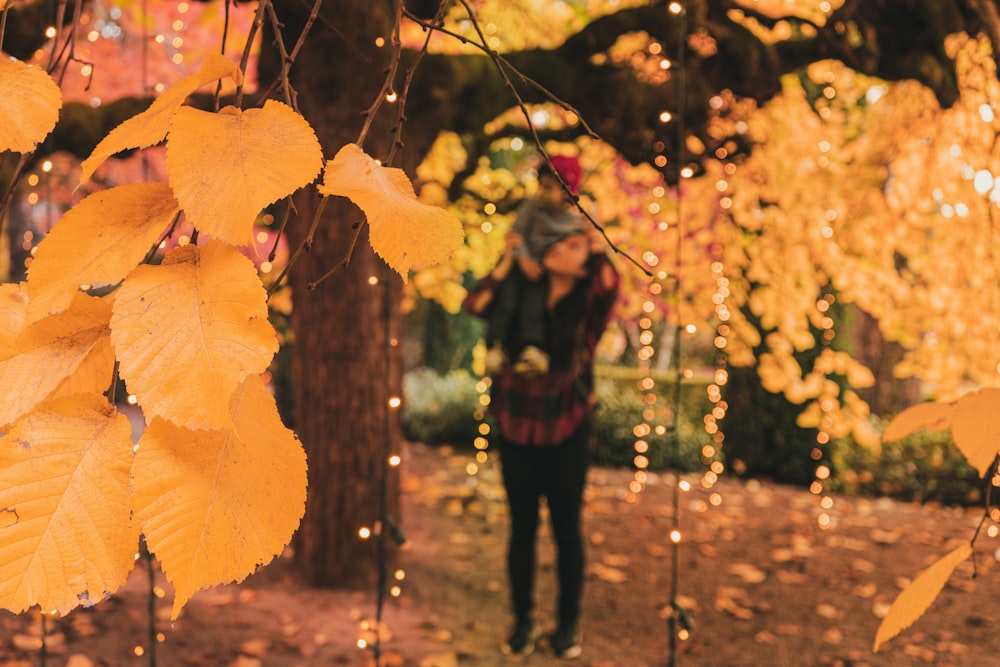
x=558 y=473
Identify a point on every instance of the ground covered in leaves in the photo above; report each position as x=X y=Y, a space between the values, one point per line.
x=764 y=585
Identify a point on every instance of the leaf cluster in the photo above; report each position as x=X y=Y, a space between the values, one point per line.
x=215 y=484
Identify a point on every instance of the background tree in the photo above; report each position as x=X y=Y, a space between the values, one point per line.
x=737 y=52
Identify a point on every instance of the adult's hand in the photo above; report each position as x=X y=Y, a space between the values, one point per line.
x=531 y=269
x=512 y=241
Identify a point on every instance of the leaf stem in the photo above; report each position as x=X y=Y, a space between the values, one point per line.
x=3 y=20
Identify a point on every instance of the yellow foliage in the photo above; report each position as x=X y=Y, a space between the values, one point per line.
x=97 y=243
x=13 y=316
x=403 y=231
x=218 y=485
x=187 y=333
x=29 y=105
x=48 y=352
x=973 y=419
x=445 y=158
x=916 y=598
x=64 y=476
x=975 y=428
x=150 y=127
x=225 y=167
x=215 y=504
x=933 y=416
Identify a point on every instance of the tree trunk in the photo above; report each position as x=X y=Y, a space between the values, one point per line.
x=345 y=371
x=346 y=363
x=889 y=395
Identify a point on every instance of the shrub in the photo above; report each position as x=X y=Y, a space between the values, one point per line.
x=925 y=466
x=620 y=411
x=440 y=408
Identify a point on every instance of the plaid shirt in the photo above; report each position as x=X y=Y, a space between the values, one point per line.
x=547 y=409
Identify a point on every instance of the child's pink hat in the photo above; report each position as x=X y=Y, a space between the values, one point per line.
x=570 y=170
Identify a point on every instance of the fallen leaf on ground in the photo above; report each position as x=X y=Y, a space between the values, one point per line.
x=827 y=611
x=440 y=660
x=255 y=647
x=748 y=572
x=609 y=574
x=833 y=636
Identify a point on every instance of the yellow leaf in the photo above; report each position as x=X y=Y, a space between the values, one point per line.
x=149 y=127
x=94 y=374
x=29 y=105
x=975 y=427
x=97 y=243
x=187 y=332
x=404 y=231
x=225 y=167
x=13 y=314
x=64 y=473
x=214 y=505
x=915 y=599
x=50 y=351
x=933 y=416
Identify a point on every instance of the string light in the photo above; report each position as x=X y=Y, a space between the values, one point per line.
x=826 y=405
x=481 y=442
x=710 y=452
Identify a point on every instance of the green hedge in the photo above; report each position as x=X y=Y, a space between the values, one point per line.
x=440 y=408
x=925 y=466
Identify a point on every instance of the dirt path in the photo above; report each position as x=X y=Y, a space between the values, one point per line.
x=764 y=585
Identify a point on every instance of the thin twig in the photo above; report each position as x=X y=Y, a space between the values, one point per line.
x=290 y=206
x=3 y=20
x=502 y=65
x=286 y=60
x=303 y=247
x=397 y=127
x=258 y=21
x=344 y=263
x=305 y=30
x=498 y=57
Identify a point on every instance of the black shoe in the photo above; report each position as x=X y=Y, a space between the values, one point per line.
x=521 y=640
x=566 y=643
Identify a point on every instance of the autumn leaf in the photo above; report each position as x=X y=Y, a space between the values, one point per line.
x=94 y=375
x=933 y=416
x=916 y=598
x=29 y=105
x=187 y=332
x=226 y=167
x=64 y=476
x=973 y=419
x=97 y=243
x=50 y=351
x=214 y=505
x=13 y=315
x=150 y=127
x=404 y=231
x=975 y=427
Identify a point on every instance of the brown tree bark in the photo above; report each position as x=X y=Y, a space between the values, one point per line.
x=346 y=364
x=889 y=395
